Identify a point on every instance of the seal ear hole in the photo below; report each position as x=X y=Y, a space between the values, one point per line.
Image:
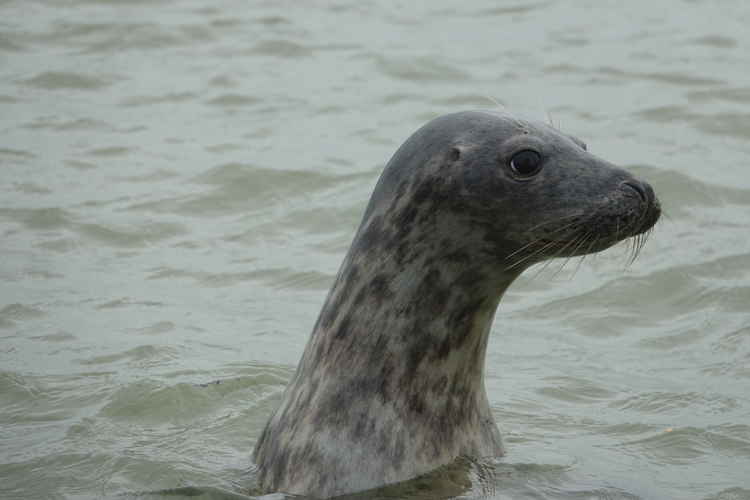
x=525 y=163
x=454 y=154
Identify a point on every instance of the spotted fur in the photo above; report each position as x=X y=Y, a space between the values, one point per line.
x=391 y=385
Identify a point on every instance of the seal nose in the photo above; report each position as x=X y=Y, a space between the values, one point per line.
x=651 y=210
x=644 y=190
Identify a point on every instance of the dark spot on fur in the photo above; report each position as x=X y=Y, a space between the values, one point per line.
x=419 y=347
x=458 y=318
x=341 y=292
x=343 y=329
x=430 y=297
x=416 y=404
x=438 y=385
x=400 y=190
x=373 y=236
x=279 y=464
x=458 y=256
x=331 y=408
x=378 y=349
x=398 y=452
x=385 y=376
x=380 y=289
x=454 y=154
x=384 y=439
x=424 y=191
x=405 y=217
x=444 y=349
x=360 y=428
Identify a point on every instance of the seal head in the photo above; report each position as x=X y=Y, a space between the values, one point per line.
x=391 y=383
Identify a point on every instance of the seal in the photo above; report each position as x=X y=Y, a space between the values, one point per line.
x=391 y=382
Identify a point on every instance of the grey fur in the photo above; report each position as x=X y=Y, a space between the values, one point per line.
x=391 y=385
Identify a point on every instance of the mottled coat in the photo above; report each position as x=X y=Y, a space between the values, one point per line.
x=391 y=383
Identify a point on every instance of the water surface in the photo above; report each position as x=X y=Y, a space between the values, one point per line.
x=181 y=179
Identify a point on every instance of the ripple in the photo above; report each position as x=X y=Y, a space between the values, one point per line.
x=182 y=402
x=281 y=48
x=668 y=402
x=716 y=41
x=56 y=337
x=728 y=124
x=110 y=151
x=7 y=45
x=16 y=388
x=234 y=100
x=131 y=36
x=125 y=302
x=468 y=100
x=150 y=100
x=731 y=494
x=272 y=20
x=574 y=390
x=738 y=94
x=681 y=193
x=16 y=153
x=134 y=236
x=683 y=446
x=419 y=69
x=56 y=123
x=56 y=80
x=31 y=188
x=141 y=356
x=156 y=328
x=519 y=8
x=240 y=188
x=280 y=278
x=671 y=78
x=39 y=218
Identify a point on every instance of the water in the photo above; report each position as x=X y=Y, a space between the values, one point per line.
x=180 y=181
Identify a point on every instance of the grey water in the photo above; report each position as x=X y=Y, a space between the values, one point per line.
x=180 y=180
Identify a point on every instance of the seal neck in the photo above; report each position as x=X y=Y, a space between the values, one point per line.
x=421 y=325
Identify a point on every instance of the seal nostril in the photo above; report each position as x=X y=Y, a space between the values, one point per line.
x=638 y=189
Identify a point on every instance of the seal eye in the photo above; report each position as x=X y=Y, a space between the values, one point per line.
x=526 y=163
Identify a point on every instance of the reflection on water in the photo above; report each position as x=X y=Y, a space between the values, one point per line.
x=180 y=182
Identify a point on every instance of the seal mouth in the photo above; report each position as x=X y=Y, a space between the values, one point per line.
x=630 y=213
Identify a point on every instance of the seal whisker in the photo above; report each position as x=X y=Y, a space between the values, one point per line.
x=537 y=240
x=541 y=269
x=579 y=241
x=558 y=253
x=583 y=256
x=631 y=251
x=635 y=248
x=580 y=263
x=643 y=241
x=495 y=102
x=587 y=253
x=639 y=245
x=544 y=238
x=554 y=221
x=535 y=253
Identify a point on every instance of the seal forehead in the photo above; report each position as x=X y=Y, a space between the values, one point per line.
x=504 y=131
